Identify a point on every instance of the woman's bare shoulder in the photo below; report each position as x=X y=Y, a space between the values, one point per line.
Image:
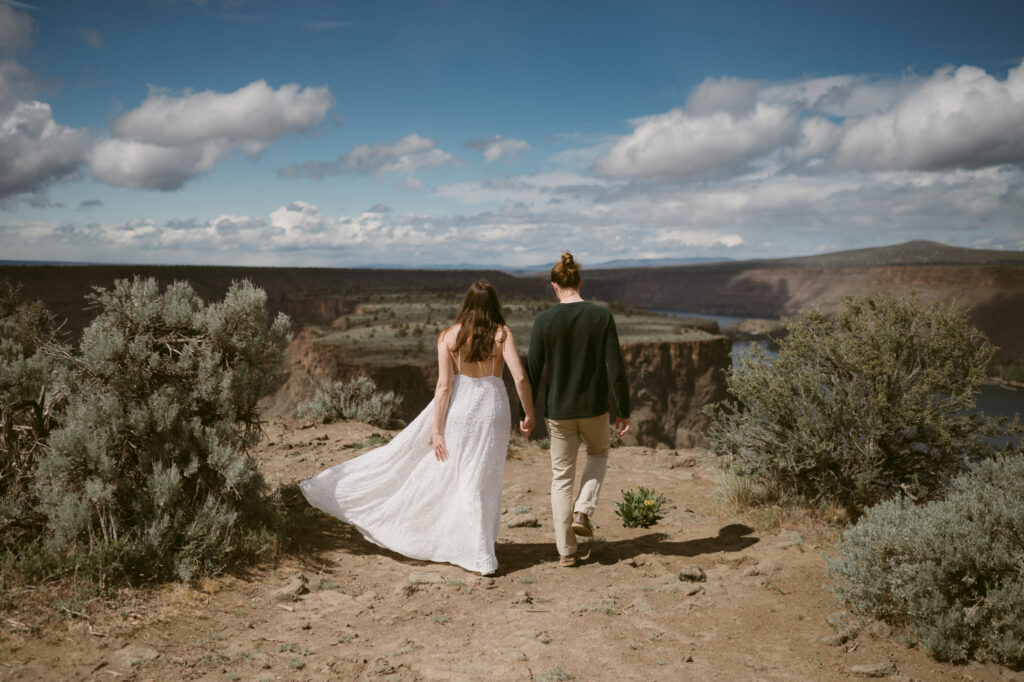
x=447 y=336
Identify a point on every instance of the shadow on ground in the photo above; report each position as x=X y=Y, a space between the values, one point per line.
x=336 y=536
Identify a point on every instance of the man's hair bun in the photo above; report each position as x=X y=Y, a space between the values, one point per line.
x=566 y=273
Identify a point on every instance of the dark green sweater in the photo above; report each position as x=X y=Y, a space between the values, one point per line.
x=576 y=346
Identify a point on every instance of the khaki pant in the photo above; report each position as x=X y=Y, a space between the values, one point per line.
x=565 y=435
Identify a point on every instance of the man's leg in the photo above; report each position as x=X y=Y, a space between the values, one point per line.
x=565 y=441
x=598 y=438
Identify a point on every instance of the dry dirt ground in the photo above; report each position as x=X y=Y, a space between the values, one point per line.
x=761 y=611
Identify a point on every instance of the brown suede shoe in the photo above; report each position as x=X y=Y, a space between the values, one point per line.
x=581 y=525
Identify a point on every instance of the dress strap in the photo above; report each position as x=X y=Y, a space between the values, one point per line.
x=458 y=352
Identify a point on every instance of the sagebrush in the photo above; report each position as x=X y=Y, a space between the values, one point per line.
x=148 y=475
x=873 y=402
x=952 y=570
x=357 y=399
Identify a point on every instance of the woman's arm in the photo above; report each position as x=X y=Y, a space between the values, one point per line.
x=515 y=366
x=442 y=394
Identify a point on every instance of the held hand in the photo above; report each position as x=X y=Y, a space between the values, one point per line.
x=440 y=450
x=621 y=426
x=526 y=426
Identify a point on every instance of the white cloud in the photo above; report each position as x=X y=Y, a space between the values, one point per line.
x=753 y=215
x=15 y=30
x=956 y=118
x=169 y=140
x=35 y=150
x=495 y=147
x=960 y=117
x=679 y=144
x=408 y=155
x=736 y=96
x=129 y=163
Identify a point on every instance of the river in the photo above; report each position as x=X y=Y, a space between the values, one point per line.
x=994 y=399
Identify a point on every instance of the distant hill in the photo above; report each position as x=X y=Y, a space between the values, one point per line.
x=624 y=263
x=909 y=253
x=989 y=283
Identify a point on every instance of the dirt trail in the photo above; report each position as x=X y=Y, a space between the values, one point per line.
x=759 y=613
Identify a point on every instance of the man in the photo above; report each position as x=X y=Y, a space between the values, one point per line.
x=578 y=346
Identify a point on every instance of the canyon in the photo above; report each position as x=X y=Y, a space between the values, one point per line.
x=672 y=372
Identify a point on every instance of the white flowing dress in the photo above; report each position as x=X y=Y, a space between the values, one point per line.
x=399 y=496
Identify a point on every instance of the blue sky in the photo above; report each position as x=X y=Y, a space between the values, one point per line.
x=499 y=133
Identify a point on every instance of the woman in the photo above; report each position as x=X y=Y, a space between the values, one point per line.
x=434 y=491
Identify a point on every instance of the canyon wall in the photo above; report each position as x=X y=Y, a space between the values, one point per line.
x=669 y=383
x=993 y=295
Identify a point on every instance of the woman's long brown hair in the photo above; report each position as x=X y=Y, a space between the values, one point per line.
x=479 y=321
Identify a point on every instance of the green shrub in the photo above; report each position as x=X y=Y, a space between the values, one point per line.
x=358 y=399
x=640 y=508
x=862 y=406
x=614 y=439
x=149 y=475
x=32 y=398
x=953 y=570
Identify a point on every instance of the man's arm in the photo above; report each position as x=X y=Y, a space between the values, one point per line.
x=617 y=376
x=535 y=362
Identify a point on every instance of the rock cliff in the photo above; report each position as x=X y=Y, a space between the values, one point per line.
x=669 y=383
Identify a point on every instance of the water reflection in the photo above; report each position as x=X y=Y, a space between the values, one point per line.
x=995 y=400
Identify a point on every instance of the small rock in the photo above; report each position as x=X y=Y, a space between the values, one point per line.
x=688 y=659
x=512 y=654
x=839 y=618
x=406 y=590
x=786 y=544
x=879 y=630
x=834 y=640
x=751 y=571
x=522 y=597
x=873 y=670
x=641 y=605
x=133 y=655
x=428 y=578
x=296 y=587
x=523 y=521
x=381 y=667
x=262 y=660
x=694 y=574
x=366 y=597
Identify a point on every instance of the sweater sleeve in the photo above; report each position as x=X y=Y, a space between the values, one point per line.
x=535 y=360
x=616 y=369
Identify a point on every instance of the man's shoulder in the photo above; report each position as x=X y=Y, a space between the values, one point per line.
x=599 y=312
x=545 y=315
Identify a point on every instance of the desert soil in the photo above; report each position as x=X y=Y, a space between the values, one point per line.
x=703 y=595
